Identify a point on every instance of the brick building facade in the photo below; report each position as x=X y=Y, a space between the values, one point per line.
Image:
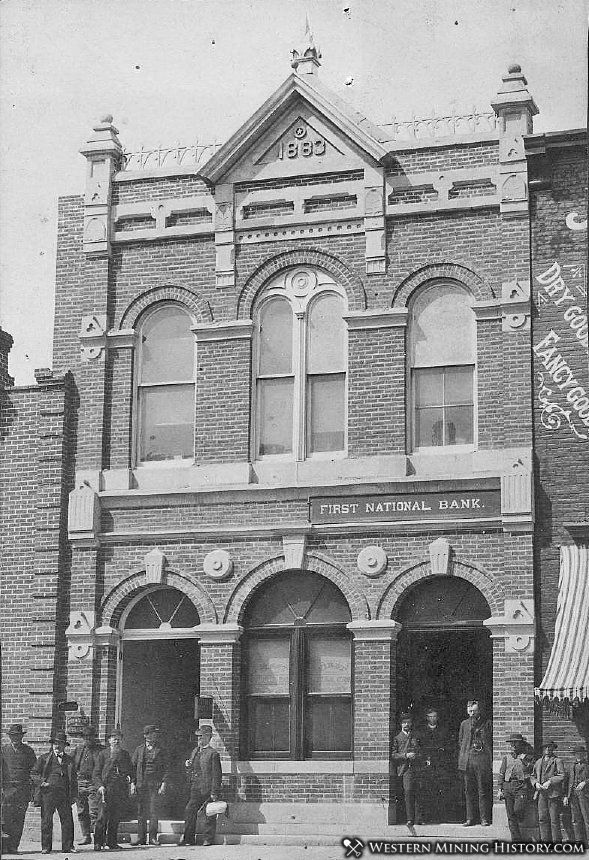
x=294 y=408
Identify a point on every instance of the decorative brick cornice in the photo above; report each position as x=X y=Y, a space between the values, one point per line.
x=232 y=330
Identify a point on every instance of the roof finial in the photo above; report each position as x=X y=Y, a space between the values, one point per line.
x=305 y=58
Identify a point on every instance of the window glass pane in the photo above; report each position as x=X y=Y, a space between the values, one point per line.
x=167 y=347
x=326 y=335
x=330 y=725
x=166 y=606
x=275 y=413
x=458 y=386
x=275 y=337
x=442 y=327
x=429 y=387
x=268 y=662
x=329 y=665
x=297 y=595
x=326 y=412
x=269 y=721
x=459 y=425
x=429 y=428
x=167 y=422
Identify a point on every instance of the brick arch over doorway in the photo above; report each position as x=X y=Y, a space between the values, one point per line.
x=491 y=589
x=120 y=596
x=480 y=290
x=339 y=272
x=313 y=564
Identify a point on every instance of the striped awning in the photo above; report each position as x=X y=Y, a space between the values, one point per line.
x=567 y=675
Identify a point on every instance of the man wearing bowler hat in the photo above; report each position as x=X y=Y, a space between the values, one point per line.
x=548 y=779
x=205 y=775
x=150 y=766
x=55 y=775
x=514 y=783
x=577 y=795
x=18 y=759
x=475 y=762
x=85 y=757
x=112 y=777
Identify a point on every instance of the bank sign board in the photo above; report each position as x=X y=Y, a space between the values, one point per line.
x=396 y=507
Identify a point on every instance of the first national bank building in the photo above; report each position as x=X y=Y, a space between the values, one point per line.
x=292 y=407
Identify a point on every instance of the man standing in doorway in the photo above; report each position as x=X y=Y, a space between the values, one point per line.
x=475 y=762
x=150 y=764
x=18 y=759
x=548 y=780
x=85 y=757
x=406 y=756
x=55 y=773
x=205 y=775
x=435 y=744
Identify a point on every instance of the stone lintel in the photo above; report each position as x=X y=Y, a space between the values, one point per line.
x=218 y=634
x=231 y=330
x=378 y=630
x=391 y=318
x=125 y=338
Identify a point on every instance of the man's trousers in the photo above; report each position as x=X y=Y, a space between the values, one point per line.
x=52 y=800
x=86 y=805
x=14 y=809
x=478 y=789
x=579 y=806
x=147 y=807
x=197 y=799
x=549 y=809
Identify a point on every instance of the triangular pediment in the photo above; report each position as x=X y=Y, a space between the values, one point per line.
x=302 y=128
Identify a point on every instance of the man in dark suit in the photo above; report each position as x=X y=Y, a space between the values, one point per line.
x=475 y=762
x=405 y=754
x=514 y=785
x=435 y=747
x=205 y=774
x=577 y=795
x=150 y=764
x=85 y=756
x=18 y=759
x=55 y=776
x=548 y=779
x=112 y=777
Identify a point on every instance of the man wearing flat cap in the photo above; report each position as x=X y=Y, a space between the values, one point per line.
x=55 y=776
x=577 y=794
x=205 y=775
x=112 y=777
x=475 y=762
x=18 y=759
x=548 y=780
x=150 y=773
x=85 y=756
x=514 y=785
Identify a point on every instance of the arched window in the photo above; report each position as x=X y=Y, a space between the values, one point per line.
x=442 y=350
x=298 y=670
x=165 y=386
x=300 y=366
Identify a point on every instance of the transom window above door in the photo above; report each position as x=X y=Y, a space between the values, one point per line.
x=300 y=366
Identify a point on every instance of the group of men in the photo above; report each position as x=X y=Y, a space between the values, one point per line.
x=100 y=781
x=425 y=768
x=537 y=792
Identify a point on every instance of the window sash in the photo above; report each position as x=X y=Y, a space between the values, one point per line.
x=442 y=406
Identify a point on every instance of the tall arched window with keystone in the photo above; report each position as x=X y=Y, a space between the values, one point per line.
x=442 y=361
x=165 y=386
x=300 y=367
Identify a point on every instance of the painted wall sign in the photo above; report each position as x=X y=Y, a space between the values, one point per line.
x=560 y=395
x=472 y=504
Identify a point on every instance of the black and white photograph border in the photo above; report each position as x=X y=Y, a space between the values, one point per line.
x=294 y=427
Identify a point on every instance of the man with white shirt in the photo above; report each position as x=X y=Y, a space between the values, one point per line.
x=55 y=775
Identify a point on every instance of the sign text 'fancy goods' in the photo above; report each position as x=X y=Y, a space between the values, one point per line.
x=406 y=506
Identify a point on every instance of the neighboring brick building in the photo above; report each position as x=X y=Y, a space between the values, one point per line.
x=322 y=513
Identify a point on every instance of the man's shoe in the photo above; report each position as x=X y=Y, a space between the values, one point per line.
x=46 y=851
x=485 y=823
x=115 y=847
x=468 y=823
x=206 y=842
x=69 y=850
x=153 y=841
x=97 y=847
x=86 y=841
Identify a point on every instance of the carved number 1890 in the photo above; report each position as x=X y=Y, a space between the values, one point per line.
x=306 y=148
